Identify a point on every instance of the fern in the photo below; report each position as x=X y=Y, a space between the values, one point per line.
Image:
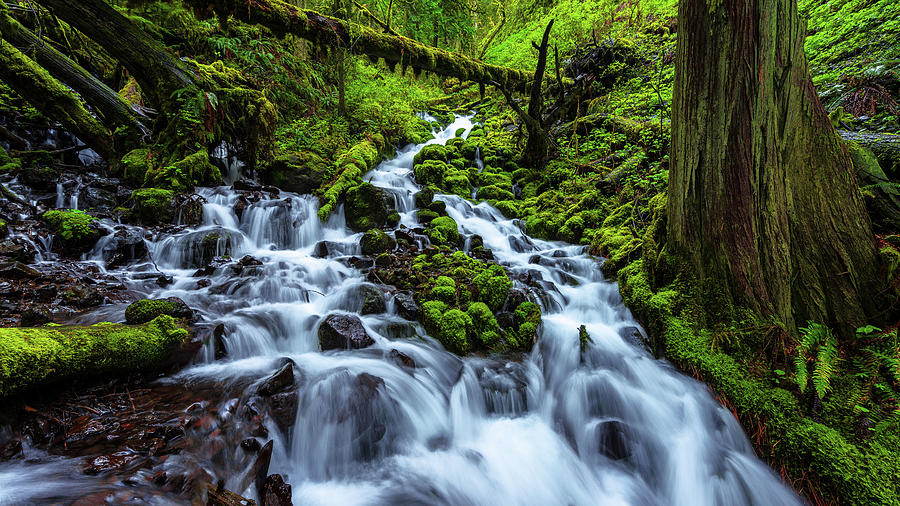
x=826 y=360
x=820 y=338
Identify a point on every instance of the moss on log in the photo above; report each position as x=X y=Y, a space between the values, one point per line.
x=285 y=19
x=52 y=98
x=32 y=356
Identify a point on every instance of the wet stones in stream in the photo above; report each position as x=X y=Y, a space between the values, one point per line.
x=343 y=332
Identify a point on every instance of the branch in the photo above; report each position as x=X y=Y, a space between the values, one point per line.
x=373 y=17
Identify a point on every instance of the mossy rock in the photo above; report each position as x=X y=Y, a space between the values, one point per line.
x=297 y=172
x=432 y=152
x=365 y=207
x=39 y=177
x=153 y=205
x=183 y=175
x=146 y=310
x=37 y=356
x=493 y=286
x=424 y=197
x=135 y=165
x=458 y=184
x=75 y=230
x=443 y=230
x=450 y=327
x=494 y=193
x=375 y=241
x=425 y=216
x=882 y=198
x=431 y=172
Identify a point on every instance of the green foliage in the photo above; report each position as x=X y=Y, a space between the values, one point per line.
x=818 y=345
x=35 y=356
x=182 y=175
x=145 y=310
x=72 y=225
x=153 y=205
x=443 y=230
x=493 y=285
x=375 y=241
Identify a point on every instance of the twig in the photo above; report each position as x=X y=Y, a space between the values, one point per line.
x=133 y=410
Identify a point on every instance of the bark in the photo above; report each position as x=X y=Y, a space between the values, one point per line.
x=537 y=145
x=763 y=200
x=158 y=72
x=284 y=19
x=52 y=98
x=113 y=108
x=886 y=148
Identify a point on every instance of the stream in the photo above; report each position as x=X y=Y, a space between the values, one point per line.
x=556 y=427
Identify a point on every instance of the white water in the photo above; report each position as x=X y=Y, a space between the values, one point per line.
x=455 y=431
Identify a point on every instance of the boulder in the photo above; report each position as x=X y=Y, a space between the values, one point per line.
x=275 y=492
x=34 y=316
x=373 y=301
x=613 y=440
x=376 y=241
x=365 y=207
x=406 y=306
x=145 y=310
x=297 y=172
x=343 y=332
x=278 y=381
x=17 y=270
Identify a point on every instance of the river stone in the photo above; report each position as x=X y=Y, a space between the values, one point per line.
x=373 y=300
x=34 y=316
x=613 y=440
x=365 y=207
x=275 y=492
x=406 y=306
x=17 y=251
x=375 y=241
x=343 y=332
x=17 y=270
x=277 y=382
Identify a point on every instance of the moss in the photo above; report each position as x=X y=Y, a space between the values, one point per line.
x=183 y=175
x=432 y=152
x=424 y=197
x=492 y=192
x=365 y=207
x=443 y=229
x=431 y=172
x=355 y=162
x=485 y=326
x=376 y=241
x=153 y=205
x=136 y=163
x=493 y=286
x=145 y=310
x=426 y=216
x=33 y=356
x=72 y=225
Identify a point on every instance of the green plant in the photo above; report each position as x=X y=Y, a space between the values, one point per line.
x=819 y=346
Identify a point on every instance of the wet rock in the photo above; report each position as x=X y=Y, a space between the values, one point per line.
x=277 y=382
x=109 y=463
x=373 y=300
x=365 y=207
x=145 y=310
x=83 y=296
x=384 y=260
x=438 y=206
x=401 y=358
x=127 y=246
x=519 y=244
x=320 y=250
x=246 y=185
x=424 y=198
x=275 y=492
x=260 y=468
x=375 y=241
x=634 y=336
x=283 y=409
x=298 y=173
x=40 y=178
x=164 y=280
x=203 y=283
x=17 y=270
x=516 y=296
x=404 y=236
x=10 y=449
x=34 y=316
x=613 y=440
x=343 y=332
x=220 y=350
x=476 y=241
x=16 y=250
x=92 y=197
x=46 y=293
x=251 y=445
x=406 y=306
x=240 y=206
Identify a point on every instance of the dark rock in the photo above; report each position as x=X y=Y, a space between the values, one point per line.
x=275 y=492
x=438 y=206
x=108 y=463
x=365 y=207
x=613 y=440
x=127 y=246
x=298 y=173
x=16 y=250
x=406 y=306
x=39 y=178
x=10 y=449
x=283 y=408
x=247 y=261
x=83 y=297
x=424 y=198
x=219 y=348
x=251 y=445
x=34 y=316
x=482 y=253
x=516 y=296
x=404 y=236
x=260 y=468
x=520 y=245
x=277 y=382
x=559 y=254
x=634 y=336
x=401 y=358
x=46 y=293
x=164 y=280
x=476 y=242
x=17 y=270
x=320 y=250
x=246 y=185
x=240 y=206
x=203 y=283
x=373 y=300
x=343 y=332
x=384 y=260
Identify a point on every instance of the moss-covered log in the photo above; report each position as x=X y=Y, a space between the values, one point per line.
x=885 y=146
x=52 y=98
x=113 y=108
x=285 y=19
x=763 y=201
x=33 y=356
x=158 y=72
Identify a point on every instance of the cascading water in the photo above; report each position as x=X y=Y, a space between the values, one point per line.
x=611 y=425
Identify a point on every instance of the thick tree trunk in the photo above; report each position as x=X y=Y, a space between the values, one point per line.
x=51 y=98
x=158 y=72
x=283 y=19
x=537 y=144
x=113 y=108
x=762 y=195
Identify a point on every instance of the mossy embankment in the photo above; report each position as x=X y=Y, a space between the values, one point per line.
x=32 y=357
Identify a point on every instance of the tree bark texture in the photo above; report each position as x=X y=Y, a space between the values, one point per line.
x=283 y=19
x=52 y=98
x=762 y=195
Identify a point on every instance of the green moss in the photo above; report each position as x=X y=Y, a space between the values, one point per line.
x=492 y=192
x=375 y=241
x=365 y=207
x=33 y=356
x=145 y=310
x=136 y=163
x=183 y=175
x=493 y=286
x=431 y=172
x=426 y=216
x=153 y=205
x=72 y=225
x=443 y=229
x=432 y=152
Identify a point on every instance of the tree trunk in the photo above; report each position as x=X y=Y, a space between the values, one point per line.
x=537 y=144
x=762 y=197
x=51 y=98
x=113 y=108
x=284 y=19
x=158 y=72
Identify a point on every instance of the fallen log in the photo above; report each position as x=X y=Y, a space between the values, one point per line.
x=285 y=19
x=886 y=148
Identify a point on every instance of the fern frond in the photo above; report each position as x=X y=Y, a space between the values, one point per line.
x=802 y=375
x=826 y=360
